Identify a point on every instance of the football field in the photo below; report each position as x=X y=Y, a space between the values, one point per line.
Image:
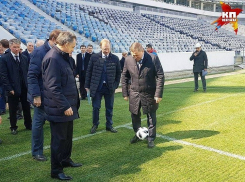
x=200 y=137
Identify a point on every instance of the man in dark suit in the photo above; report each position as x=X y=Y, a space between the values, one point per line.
x=102 y=78
x=28 y=51
x=61 y=102
x=146 y=89
x=13 y=72
x=82 y=64
x=200 y=63
x=124 y=55
x=35 y=94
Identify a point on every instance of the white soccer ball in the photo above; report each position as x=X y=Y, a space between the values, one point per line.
x=142 y=133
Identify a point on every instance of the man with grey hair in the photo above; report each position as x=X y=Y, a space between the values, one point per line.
x=102 y=78
x=61 y=102
x=146 y=89
x=13 y=72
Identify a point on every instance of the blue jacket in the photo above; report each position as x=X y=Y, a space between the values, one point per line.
x=59 y=85
x=34 y=77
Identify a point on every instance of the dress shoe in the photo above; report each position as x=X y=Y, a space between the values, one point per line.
x=61 y=176
x=2 y=112
x=14 y=132
x=134 y=139
x=204 y=90
x=111 y=129
x=195 y=90
x=93 y=129
x=71 y=164
x=39 y=157
x=151 y=144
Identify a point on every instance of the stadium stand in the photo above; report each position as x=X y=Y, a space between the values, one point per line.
x=121 y=27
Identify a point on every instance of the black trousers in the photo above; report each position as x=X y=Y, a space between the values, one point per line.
x=151 y=122
x=61 y=145
x=83 y=91
x=13 y=102
x=196 y=80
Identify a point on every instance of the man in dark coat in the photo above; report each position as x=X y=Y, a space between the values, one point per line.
x=35 y=94
x=29 y=50
x=61 y=102
x=200 y=64
x=102 y=78
x=13 y=72
x=124 y=55
x=82 y=65
x=146 y=89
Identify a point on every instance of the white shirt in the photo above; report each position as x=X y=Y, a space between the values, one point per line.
x=15 y=56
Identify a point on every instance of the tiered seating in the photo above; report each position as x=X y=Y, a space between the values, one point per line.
x=23 y=22
x=202 y=30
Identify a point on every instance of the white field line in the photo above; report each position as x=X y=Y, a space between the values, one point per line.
x=198 y=146
x=120 y=126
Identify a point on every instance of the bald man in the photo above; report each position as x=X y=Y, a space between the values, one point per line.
x=102 y=78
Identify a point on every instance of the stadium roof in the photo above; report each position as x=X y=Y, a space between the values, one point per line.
x=226 y=1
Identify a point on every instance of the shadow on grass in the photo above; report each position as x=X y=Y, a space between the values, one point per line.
x=210 y=89
x=193 y=134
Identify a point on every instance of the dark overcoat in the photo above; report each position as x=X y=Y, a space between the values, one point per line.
x=146 y=83
x=34 y=77
x=200 y=61
x=60 y=91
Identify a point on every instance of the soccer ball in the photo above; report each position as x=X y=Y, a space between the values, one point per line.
x=142 y=133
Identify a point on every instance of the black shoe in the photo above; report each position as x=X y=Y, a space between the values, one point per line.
x=93 y=129
x=71 y=164
x=111 y=129
x=204 y=90
x=61 y=176
x=39 y=157
x=195 y=90
x=151 y=144
x=14 y=132
x=134 y=139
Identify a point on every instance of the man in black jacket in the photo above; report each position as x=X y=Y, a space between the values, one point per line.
x=29 y=50
x=13 y=72
x=82 y=64
x=61 y=102
x=200 y=64
x=146 y=89
x=102 y=78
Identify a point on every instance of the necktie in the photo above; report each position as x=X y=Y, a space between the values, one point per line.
x=83 y=57
x=139 y=64
x=17 y=59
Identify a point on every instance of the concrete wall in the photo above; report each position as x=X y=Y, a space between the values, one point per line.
x=180 y=61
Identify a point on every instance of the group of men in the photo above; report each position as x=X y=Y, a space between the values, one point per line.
x=47 y=81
